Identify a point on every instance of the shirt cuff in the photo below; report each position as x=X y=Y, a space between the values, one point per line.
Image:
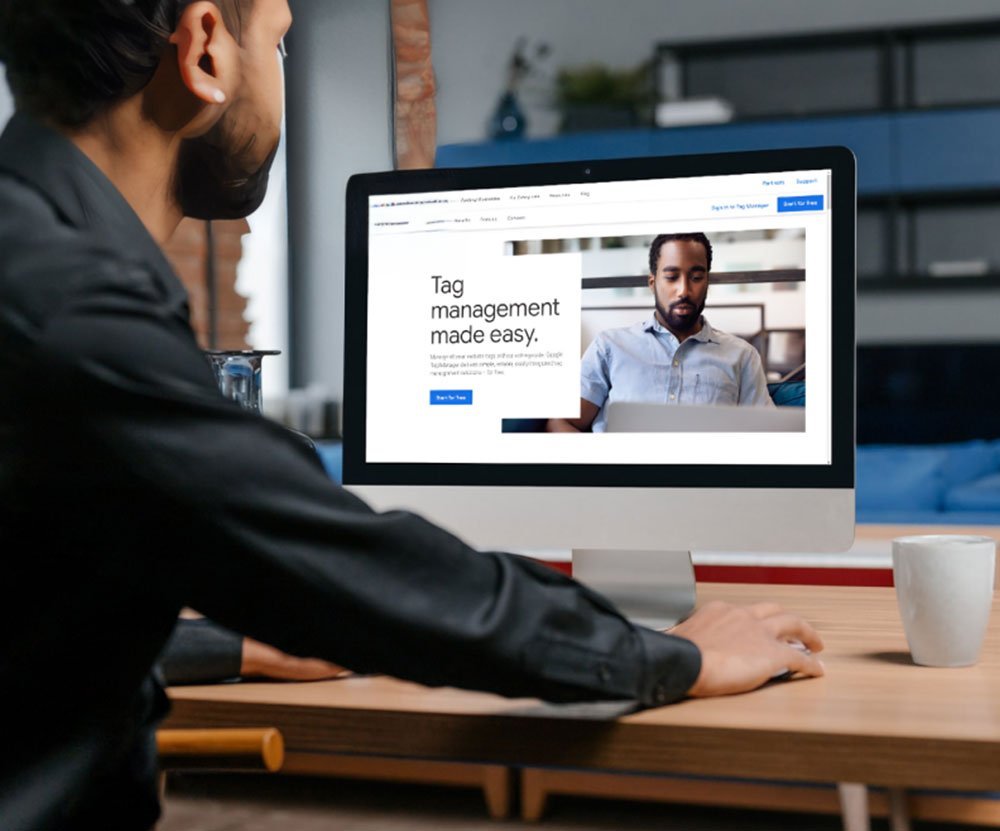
x=201 y=652
x=673 y=665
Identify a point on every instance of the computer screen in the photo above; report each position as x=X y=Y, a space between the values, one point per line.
x=542 y=354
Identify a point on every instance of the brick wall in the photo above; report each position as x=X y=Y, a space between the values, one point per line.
x=186 y=252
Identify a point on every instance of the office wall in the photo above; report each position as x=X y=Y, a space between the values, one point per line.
x=338 y=124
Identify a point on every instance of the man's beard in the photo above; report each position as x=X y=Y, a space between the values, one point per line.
x=214 y=183
x=680 y=323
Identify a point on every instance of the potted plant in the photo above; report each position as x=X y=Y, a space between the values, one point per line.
x=596 y=97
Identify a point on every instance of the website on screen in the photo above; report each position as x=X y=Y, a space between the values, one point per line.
x=641 y=322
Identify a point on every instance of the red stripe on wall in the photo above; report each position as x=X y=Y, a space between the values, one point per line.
x=794 y=576
x=781 y=575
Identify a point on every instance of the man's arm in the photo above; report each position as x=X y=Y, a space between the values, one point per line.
x=588 y=412
x=753 y=381
x=292 y=560
x=202 y=652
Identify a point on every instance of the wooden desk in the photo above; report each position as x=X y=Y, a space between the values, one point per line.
x=875 y=718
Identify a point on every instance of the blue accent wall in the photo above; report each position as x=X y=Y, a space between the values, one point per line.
x=953 y=149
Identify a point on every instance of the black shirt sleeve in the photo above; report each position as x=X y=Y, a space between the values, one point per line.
x=201 y=652
x=255 y=536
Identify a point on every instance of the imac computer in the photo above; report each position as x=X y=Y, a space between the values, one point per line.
x=630 y=359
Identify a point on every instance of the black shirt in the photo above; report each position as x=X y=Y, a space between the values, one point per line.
x=129 y=488
x=200 y=652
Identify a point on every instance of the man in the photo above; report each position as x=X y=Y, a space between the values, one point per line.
x=674 y=357
x=130 y=489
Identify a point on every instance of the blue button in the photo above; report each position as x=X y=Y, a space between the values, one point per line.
x=451 y=397
x=800 y=203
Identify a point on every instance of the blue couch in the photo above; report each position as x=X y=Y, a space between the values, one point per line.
x=949 y=484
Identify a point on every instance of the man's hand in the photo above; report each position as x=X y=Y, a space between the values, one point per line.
x=263 y=661
x=744 y=647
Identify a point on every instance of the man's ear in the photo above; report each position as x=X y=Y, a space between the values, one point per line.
x=652 y=281
x=207 y=54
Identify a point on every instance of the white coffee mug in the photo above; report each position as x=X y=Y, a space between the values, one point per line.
x=944 y=585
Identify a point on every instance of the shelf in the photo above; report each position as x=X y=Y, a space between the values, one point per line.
x=947 y=150
x=899 y=153
x=981 y=195
x=923 y=282
x=868 y=136
x=873 y=69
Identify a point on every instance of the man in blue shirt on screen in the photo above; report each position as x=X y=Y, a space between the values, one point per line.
x=674 y=357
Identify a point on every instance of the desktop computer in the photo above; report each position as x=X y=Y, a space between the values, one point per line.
x=501 y=321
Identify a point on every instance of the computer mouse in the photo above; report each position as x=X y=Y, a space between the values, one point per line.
x=785 y=674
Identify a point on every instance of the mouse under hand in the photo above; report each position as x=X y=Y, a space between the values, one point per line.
x=785 y=674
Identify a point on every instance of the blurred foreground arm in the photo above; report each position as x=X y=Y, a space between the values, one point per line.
x=230 y=515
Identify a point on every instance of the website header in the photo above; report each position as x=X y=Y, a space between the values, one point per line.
x=589 y=203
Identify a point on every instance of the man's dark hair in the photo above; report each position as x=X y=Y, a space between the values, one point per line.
x=67 y=60
x=654 y=249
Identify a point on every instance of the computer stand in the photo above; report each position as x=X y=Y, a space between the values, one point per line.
x=652 y=588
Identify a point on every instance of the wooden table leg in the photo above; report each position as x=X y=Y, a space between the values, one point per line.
x=854 y=806
x=496 y=790
x=899 y=811
x=533 y=795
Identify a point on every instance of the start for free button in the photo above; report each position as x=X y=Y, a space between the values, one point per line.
x=451 y=397
x=800 y=203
